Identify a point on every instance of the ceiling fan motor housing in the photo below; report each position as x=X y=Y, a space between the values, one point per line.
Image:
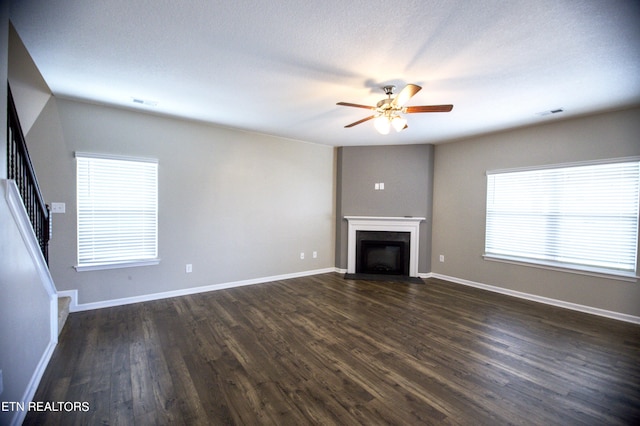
x=385 y=104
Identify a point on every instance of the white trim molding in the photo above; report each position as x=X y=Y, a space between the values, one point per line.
x=388 y=224
x=541 y=299
x=117 y=265
x=73 y=295
x=75 y=306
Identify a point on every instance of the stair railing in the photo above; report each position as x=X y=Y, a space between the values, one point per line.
x=20 y=169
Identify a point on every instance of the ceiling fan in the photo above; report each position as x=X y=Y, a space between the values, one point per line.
x=387 y=111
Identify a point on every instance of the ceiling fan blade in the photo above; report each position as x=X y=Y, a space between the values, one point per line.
x=360 y=121
x=428 y=108
x=354 y=105
x=406 y=94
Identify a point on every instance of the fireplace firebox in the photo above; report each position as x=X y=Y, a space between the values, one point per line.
x=383 y=252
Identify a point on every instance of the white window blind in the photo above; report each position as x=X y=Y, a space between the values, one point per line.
x=578 y=216
x=117 y=210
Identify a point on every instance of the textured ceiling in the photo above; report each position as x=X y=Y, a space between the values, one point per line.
x=279 y=67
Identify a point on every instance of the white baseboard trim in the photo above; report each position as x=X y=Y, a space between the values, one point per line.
x=79 y=307
x=546 y=300
x=32 y=387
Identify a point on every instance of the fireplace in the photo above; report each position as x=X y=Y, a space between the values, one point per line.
x=382 y=252
x=391 y=248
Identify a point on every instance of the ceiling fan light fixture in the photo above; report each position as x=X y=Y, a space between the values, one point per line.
x=387 y=112
x=398 y=123
x=382 y=124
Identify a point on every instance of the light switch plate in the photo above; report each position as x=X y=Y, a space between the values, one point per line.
x=58 y=207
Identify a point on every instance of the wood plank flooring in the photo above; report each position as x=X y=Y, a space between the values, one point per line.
x=324 y=350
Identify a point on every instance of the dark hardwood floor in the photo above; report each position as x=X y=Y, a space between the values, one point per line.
x=324 y=350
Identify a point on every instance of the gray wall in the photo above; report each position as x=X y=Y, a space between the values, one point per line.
x=407 y=174
x=30 y=91
x=460 y=199
x=236 y=205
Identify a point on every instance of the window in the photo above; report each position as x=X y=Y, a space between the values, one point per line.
x=577 y=216
x=117 y=211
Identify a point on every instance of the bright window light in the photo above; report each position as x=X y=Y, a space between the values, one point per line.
x=582 y=216
x=117 y=210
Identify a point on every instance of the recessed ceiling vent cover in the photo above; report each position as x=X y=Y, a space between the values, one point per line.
x=144 y=102
x=553 y=111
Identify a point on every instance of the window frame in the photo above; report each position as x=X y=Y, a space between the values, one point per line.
x=121 y=262
x=631 y=276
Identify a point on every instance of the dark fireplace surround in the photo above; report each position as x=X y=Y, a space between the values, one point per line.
x=383 y=252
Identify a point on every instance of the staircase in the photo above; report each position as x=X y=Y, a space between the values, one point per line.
x=21 y=171
x=63 y=311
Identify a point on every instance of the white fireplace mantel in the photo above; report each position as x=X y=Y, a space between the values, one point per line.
x=389 y=224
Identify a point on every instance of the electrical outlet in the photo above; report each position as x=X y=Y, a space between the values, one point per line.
x=301 y=255
x=442 y=258
x=189 y=268
x=315 y=254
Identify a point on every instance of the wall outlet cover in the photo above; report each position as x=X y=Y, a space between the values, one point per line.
x=58 y=207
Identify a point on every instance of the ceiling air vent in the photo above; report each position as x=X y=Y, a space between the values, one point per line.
x=144 y=102
x=552 y=111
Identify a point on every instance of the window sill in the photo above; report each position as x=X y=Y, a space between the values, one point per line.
x=614 y=275
x=116 y=265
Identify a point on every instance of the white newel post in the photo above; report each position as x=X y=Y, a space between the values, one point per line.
x=388 y=224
